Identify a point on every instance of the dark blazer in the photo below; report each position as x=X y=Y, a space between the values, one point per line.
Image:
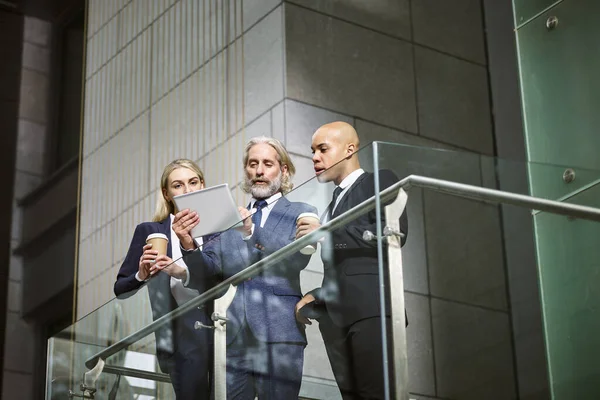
x=266 y=302
x=180 y=335
x=350 y=289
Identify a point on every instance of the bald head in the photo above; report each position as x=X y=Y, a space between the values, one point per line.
x=343 y=131
x=333 y=146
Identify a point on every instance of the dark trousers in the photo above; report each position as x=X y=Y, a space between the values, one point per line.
x=356 y=357
x=265 y=370
x=191 y=375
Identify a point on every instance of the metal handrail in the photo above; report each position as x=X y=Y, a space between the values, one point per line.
x=438 y=185
x=136 y=373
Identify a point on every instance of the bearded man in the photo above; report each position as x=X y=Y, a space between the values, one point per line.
x=265 y=343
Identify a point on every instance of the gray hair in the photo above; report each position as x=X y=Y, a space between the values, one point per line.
x=283 y=158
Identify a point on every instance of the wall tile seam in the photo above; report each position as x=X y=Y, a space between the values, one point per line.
x=105 y=225
x=356 y=118
x=103 y=25
x=37 y=71
x=463 y=303
x=121 y=48
x=102 y=143
x=283 y=65
x=474 y=352
x=14 y=371
x=233 y=40
x=95 y=277
x=148 y=110
x=408 y=41
x=308 y=156
x=416 y=83
x=354 y=23
x=16 y=314
x=28 y=173
x=37 y=45
x=31 y=120
x=149 y=26
x=152 y=104
x=114 y=219
x=153 y=191
x=27 y=119
x=253 y=120
x=445 y=53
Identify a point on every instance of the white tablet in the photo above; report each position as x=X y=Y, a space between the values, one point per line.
x=215 y=206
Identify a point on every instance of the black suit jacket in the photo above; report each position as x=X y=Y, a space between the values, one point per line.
x=180 y=335
x=350 y=289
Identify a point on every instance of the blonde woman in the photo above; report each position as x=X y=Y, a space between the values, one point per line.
x=182 y=352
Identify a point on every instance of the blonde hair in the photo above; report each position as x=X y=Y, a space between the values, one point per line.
x=282 y=156
x=163 y=207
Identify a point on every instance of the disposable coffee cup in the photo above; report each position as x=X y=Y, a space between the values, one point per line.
x=311 y=248
x=159 y=243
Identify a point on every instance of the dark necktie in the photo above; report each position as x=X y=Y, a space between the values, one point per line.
x=336 y=194
x=257 y=216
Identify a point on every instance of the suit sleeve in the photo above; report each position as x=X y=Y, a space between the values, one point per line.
x=295 y=262
x=126 y=284
x=204 y=265
x=353 y=232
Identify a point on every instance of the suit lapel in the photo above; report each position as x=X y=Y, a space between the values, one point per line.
x=281 y=207
x=342 y=207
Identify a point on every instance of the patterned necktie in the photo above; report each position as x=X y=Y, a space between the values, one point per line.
x=257 y=216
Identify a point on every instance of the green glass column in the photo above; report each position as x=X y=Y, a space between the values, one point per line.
x=559 y=57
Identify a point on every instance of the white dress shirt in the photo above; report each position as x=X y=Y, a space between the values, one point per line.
x=266 y=210
x=345 y=185
x=180 y=292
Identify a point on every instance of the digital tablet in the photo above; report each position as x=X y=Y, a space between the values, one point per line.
x=215 y=207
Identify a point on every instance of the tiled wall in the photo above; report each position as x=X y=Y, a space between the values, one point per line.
x=415 y=73
x=160 y=85
x=30 y=168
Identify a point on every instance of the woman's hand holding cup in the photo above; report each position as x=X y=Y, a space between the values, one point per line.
x=146 y=261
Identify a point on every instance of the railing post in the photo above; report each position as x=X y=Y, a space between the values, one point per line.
x=396 y=285
x=220 y=319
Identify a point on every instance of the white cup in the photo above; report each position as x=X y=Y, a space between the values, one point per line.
x=311 y=248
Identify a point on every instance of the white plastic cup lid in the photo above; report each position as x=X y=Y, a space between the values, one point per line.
x=157 y=236
x=308 y=215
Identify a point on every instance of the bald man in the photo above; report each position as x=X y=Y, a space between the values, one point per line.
x=347 y=303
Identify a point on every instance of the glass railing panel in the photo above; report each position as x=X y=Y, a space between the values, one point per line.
x=459 y=337
x=66 y=369
x=490 y=286
x=121 y=317
x=464 y=269
x=548 y=181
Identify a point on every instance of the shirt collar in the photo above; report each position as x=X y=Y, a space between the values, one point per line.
x=270 y=200
x=351 y=178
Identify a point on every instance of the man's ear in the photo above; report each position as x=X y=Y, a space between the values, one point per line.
x=284 y=169
x=351 y=149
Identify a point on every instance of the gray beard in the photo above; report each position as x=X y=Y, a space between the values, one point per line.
x=262 y=192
